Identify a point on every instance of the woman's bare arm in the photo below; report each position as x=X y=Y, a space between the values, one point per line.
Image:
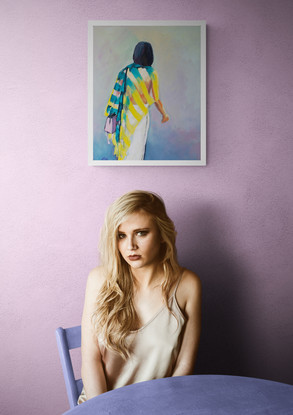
x=158 y=103
x=92 y=372
x=189 y=300
x=161 y=109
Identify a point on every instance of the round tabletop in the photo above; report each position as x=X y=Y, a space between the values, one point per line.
x=197 y=394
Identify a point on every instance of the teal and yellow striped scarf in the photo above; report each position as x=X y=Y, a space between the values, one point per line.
x=121 y=104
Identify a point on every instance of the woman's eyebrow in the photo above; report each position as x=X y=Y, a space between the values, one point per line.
x=136 y=230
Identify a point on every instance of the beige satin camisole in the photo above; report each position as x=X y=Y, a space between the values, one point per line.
x=154 y=350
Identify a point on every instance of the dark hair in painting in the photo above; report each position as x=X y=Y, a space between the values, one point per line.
x=143 y=54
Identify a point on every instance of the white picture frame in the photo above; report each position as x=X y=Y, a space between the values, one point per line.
x=180 y=61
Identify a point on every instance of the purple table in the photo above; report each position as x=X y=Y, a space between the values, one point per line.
x=198 y=394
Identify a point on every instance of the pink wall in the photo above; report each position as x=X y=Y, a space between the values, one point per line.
x=234 y=216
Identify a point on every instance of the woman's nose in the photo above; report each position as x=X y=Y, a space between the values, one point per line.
x=132 y=243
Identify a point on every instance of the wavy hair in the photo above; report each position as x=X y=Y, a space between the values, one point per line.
x=115 y=315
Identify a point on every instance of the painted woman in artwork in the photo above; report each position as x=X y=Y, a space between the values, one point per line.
x=135 y=90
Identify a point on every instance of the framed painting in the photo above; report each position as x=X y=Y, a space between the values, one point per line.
x=147 y=93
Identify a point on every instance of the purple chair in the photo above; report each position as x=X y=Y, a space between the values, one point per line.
x=68 y=339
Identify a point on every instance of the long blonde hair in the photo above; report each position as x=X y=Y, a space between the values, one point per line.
x=115 y=315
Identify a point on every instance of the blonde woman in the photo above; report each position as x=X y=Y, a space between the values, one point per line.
x=142 y=311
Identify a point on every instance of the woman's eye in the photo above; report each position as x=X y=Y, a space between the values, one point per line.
x=142 y=233
x=121 y=235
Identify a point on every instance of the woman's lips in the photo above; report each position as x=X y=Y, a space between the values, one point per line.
x=134 y=257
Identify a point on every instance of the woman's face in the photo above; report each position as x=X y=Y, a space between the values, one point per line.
x=139 y=240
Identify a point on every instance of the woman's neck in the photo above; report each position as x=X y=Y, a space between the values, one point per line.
x=148 y=277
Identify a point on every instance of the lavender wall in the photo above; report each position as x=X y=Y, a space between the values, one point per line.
x=234 y=217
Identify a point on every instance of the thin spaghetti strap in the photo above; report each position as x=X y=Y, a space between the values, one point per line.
x=178 y=282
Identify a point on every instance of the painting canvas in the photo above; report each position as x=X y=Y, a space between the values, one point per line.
x=151 y=77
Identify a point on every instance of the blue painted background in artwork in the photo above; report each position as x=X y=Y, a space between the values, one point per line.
x=177 y=61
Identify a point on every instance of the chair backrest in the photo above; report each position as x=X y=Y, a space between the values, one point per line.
x=68 y=339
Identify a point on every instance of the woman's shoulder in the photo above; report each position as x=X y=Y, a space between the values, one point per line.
x=149 y=69
x=189 y=288
x=189 y=277
x=96 y=278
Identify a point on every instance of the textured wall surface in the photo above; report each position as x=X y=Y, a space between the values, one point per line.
x=234 y=216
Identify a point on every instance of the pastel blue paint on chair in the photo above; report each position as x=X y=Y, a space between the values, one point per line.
x=68 y=339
